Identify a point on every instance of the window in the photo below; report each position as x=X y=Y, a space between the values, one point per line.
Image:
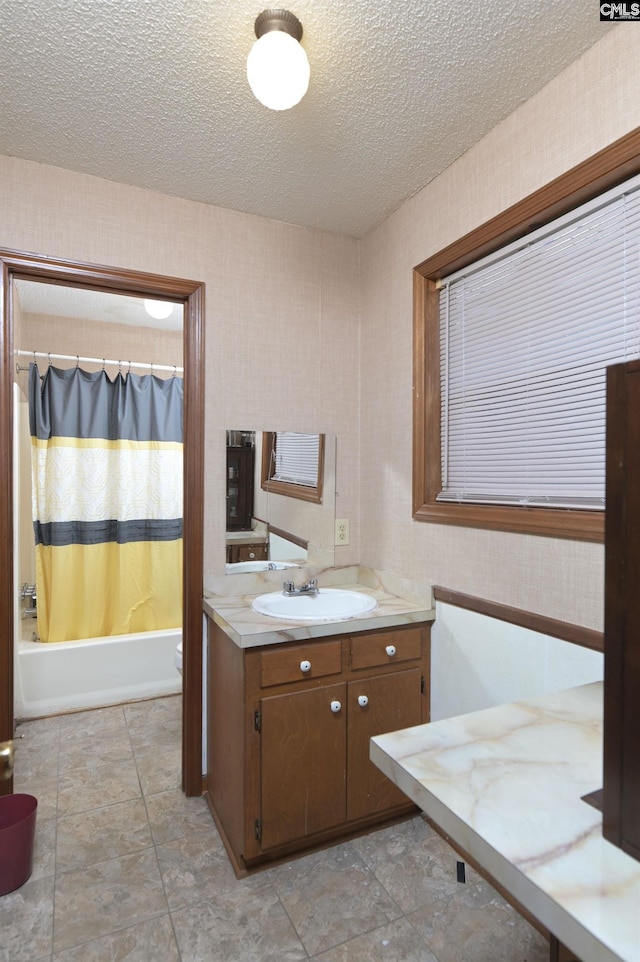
x=486 y=452
x=293 y=464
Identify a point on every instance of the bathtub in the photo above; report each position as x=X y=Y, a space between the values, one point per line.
x=65 y=676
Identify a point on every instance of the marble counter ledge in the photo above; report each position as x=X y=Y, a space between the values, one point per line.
x=506 y=784
x=248 y=629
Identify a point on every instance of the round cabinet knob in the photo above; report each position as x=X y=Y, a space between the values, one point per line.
x=252 y=554
x=390 y=650
x=305 y=666
x=336 y=706
x=363 y=701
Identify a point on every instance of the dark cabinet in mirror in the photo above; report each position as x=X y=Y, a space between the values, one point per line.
x=276 y=524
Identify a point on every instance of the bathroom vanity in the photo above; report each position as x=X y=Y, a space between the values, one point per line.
x=291 y=711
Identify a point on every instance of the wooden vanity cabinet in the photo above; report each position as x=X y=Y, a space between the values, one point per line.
x=256 y=551
x=288 y=736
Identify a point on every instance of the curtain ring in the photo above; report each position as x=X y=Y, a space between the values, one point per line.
x=120 y=368
x=151 y=366
x=103 y=365
x=129 y=371
x=175 y=370
x=49 y=357
x=77 y=361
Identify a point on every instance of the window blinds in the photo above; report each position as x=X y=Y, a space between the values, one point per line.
x=296 y=458
x=525 y=337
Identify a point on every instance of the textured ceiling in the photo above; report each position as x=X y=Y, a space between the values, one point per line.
x=154 y=93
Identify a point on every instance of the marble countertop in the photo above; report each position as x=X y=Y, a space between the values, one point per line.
x=506 y=784
x=249 y=629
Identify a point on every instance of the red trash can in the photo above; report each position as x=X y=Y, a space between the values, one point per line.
x=17 y=834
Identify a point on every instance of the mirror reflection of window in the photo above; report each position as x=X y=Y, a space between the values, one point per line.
x=293 y=464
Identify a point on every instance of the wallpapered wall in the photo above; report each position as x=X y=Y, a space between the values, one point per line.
x=282 y=308
x=593 y=103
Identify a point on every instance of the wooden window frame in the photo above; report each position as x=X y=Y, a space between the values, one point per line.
x=592 y=177
x=302 y=492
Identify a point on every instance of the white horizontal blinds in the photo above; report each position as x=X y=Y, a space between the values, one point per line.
x=526 y=336
x=296 y=459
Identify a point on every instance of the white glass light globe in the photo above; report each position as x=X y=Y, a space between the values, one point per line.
x=278 y=70
x=158 y=309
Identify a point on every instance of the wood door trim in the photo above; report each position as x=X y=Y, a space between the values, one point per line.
x=28 y=266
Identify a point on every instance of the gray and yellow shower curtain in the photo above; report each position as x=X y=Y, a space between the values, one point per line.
x=107 y=470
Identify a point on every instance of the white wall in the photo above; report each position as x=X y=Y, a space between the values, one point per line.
x=478 y=662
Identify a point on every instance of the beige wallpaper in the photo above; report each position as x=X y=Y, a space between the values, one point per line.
x=282 y=307
x=593 y=103
x=312 y=332
x=63 y=335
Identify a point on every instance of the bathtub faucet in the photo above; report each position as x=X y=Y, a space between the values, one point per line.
x=289 y=588
x=29 y=591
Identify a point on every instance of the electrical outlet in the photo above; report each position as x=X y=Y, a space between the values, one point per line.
x=342 y=531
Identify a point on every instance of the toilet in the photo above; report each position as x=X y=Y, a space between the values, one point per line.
x=178 y=658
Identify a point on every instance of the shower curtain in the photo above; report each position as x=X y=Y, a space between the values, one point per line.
x=107 y=472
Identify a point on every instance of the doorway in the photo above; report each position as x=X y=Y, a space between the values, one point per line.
x=20 y=266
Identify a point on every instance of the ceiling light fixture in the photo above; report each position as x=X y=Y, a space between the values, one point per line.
x=158 y=309
x=277 y=66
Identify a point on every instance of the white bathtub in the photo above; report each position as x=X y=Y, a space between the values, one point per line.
x=64 y=676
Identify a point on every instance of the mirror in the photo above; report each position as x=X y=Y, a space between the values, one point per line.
x=266 y=528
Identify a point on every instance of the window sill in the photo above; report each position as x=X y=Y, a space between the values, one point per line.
x=551 y=522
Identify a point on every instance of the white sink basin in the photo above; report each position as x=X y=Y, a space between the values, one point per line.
x=329 y=604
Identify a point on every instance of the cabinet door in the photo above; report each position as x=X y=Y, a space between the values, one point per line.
x=303 y=754
x=252 y=552
x=393 y=701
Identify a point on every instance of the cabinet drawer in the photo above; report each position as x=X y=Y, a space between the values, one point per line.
x=282 y=665
x=367 y=651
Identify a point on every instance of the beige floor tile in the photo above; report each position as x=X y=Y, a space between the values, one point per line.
x=45 y=790
x=95 y=722
x=34 y=760
x=158 y=712
x=102 y=833
x=477 y=925
x=155 y=739
x=240 y=925
x=103 y=898
x=196 y=868
x=43 y=731
x=111 y=746
x=396 y=942
x=331 y=896
x=26 y=922
x=412 y=862
x=88 y=785
x=160 y=771
x=172 y=815
x=152 y=941
x=44 y=849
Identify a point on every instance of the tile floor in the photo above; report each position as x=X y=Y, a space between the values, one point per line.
x=127 y=869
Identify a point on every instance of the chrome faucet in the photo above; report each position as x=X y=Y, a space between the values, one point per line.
x=29 y=592
x=289 y=588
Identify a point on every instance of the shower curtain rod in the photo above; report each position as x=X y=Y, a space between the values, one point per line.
x=95 y=360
